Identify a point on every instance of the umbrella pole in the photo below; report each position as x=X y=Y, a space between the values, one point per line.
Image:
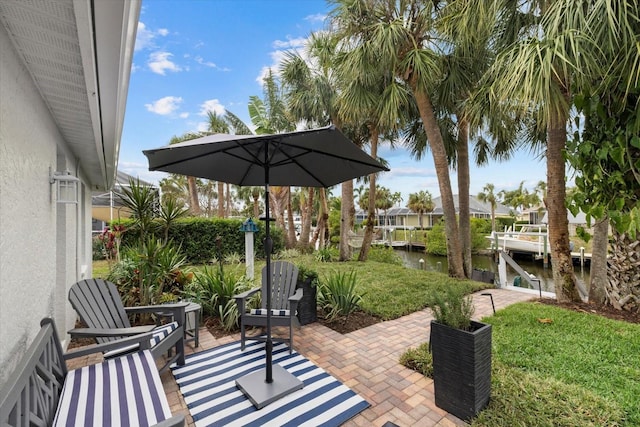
x=268 y=247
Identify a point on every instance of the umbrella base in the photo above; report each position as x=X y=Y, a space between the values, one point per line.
x=261 y=393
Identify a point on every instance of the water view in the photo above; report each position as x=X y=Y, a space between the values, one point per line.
x=437 y=263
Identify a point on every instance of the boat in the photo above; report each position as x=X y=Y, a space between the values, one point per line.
x=527 y=240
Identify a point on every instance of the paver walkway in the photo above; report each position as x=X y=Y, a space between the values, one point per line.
x=367 y=361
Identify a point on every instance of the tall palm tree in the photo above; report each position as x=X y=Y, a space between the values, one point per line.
x=270 y=116
x=421 y=203
x=311 y=93
x=218 y=124
x=194 y=203
x=488 y=196
x=400 y=38
x=534 y=76
x=175 y=187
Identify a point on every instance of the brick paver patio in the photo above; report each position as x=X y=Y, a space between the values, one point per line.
x=367 y=361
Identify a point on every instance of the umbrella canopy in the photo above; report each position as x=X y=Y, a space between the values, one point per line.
x=311 y=158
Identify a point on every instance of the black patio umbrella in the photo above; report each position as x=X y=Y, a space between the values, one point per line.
x=311 y=158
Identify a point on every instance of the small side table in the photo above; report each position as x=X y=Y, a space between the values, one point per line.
x=193 y=315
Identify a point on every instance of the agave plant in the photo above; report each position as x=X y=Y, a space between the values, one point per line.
x=214 y=289
x=337 y=294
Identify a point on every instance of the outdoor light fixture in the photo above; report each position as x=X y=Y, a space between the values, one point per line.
x=66 y=186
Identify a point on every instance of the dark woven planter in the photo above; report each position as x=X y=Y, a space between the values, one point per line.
x=461 y=368
x=307 y=307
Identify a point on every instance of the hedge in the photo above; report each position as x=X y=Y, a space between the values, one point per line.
x=198 y=237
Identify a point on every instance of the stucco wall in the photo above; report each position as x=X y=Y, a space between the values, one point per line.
x=34 y=275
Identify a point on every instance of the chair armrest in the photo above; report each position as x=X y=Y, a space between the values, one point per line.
x=246 y=294
x=156 y=308
x=174 y=310
x=294 y=300
x=241 y=299
x=143 y=340
x=297 y=296
x=116 y=332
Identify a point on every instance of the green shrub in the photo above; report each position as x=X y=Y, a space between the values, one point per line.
x=480 y=228
x=149 y=272
x=384 y=254
x=419 y=359
x=97 y=249
x=324 y=255
x=288 y=254
x=337 y=294
x=453 y=308
x=214 y=288
x=436 y=243
x=199 y=237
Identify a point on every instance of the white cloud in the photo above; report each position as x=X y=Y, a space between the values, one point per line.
x=202 y=127
x=165 y=106
x=318 y=17
x=201 y=61
x=290 y=43
x=145 y=37
x=159 y=62
x=183 y=115
x=278 y=56
x=412 y=172
x=212 y=105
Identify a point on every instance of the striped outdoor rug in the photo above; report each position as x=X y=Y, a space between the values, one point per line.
x=207 y=382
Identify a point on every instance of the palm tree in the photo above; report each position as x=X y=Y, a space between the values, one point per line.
x=194 y=203
x=488 y=196
x=399 y=39
x=311 y=94
x=218 y=124
x=604 y=153
x=421 y=203
x=175 y=187
x=534 y=77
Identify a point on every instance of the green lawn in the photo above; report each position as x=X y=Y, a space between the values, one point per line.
x=578 y=370
x=579 y=365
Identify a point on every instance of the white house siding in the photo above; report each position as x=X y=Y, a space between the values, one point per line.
x=38 y=237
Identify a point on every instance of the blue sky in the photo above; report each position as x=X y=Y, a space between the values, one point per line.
x=195 y=55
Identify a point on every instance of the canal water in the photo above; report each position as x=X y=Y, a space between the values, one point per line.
x=438 y=263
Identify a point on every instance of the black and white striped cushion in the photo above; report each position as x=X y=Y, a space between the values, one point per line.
x=121 y=391
x=159 y=333
x=274 y=312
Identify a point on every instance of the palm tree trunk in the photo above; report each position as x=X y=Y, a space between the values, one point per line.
x=291 y=228
x=307 y=214
x=256 y=203
x=598 y=267
x=345 y=214
x=368 y=231
x=623 y=289
x=563 y=276
x=324 y=240
x=430 y=123
x=227 y=212
x=220 y=199
x=464 y=211
x=193 y=196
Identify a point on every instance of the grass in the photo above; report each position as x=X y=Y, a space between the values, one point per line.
x=578 y=370
x=389 y=291
x=100 y=269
